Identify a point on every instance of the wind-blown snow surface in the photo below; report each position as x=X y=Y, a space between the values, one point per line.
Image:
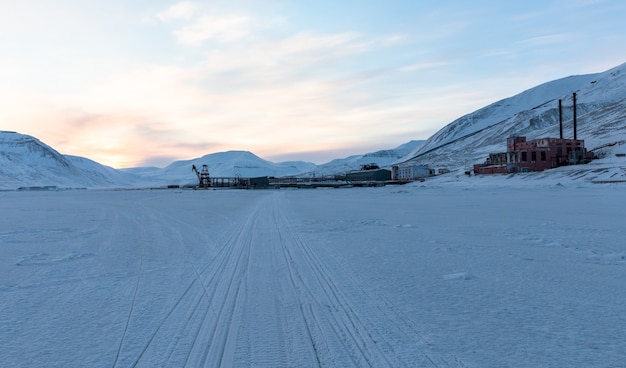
x=467 y=273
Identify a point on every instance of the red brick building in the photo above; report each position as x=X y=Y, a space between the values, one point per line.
x=535 y=155
x=539 y=154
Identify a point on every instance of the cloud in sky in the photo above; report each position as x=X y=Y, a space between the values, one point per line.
x=182 y=10
x=281 y=80
x=222 y=28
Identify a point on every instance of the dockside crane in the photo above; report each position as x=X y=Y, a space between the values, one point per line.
x=204 y=180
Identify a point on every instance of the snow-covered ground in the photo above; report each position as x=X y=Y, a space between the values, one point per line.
x=439 y=274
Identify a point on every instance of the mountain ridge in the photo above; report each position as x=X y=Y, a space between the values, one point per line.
x=532 y=113
x=25 y=161
x=601 y=108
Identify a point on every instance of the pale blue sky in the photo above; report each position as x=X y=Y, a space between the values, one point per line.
x=130 y=83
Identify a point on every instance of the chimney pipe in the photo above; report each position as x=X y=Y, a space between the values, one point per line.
x=574 y=98
x=560 y=119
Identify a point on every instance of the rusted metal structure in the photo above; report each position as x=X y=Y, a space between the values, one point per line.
x=204 y=179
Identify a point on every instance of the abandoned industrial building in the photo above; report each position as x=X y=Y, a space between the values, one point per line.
x=205 y=181
x=368 y=175
x=406 y=173
x=410 y=173
x=369 y=172
x=537 y=154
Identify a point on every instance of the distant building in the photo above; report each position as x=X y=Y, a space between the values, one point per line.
x=535 y=155
x=414 y=172
x=538 y=154
x=262 y=182
x=369 y=175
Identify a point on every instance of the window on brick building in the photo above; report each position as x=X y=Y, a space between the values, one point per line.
x=543 y=155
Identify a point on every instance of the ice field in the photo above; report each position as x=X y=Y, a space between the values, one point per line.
x=419 y=275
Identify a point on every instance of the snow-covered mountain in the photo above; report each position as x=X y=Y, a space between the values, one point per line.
x=601 y=121
x=247 y=164
x=381 y=158
x=223 y=164
x=601 y=118
x=25 y=161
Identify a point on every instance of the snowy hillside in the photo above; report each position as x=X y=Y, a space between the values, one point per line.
x=224 y=164
x=601 y=112
x=246 y=164
x=27 y=162
x=381 y=158
x=601 y=120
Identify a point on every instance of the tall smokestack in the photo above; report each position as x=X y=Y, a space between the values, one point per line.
x=560 y=119
x=574 y=98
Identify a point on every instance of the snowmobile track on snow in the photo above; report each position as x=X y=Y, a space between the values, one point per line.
x=205 y=295
x=268 y=298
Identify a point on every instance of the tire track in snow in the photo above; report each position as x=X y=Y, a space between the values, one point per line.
x=206 y=293
x=268 y=298
x=273 y=327
x=369 y=327
x=336 y=329
x=132 y=303
x=202 y=296
x=215 y=286
x=214 y=300
x=322 y=323
x=227 y=294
